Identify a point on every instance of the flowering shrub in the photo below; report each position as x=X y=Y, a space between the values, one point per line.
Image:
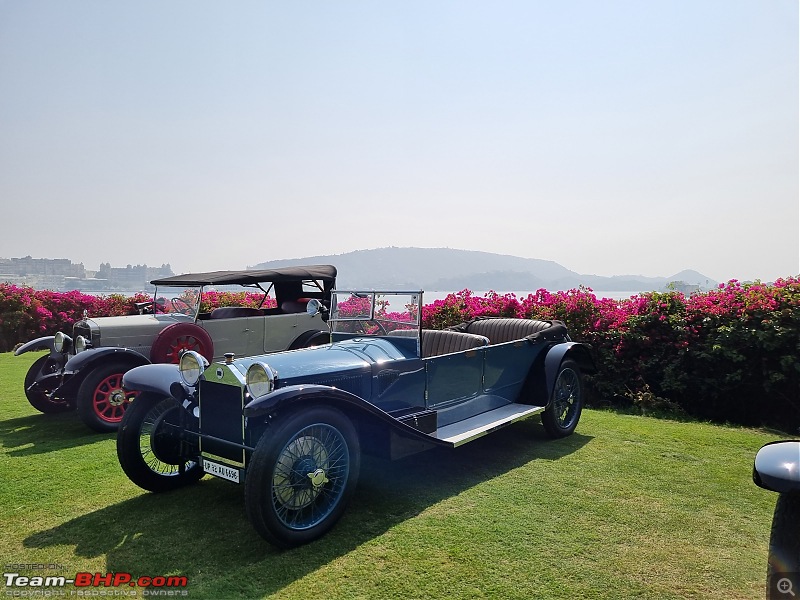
x=730 y=354
x=213 y=299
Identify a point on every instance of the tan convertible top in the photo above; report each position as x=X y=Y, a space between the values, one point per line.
x=302 y=273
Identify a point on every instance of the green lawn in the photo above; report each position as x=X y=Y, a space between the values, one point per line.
x=627 y=507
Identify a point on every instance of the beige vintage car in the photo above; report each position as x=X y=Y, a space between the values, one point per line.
x=84 y=371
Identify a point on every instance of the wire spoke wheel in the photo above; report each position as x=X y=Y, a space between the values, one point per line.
x=566 y=396
x=152 y=447
x=301 y=476
x=561 y=417
x=309 y=476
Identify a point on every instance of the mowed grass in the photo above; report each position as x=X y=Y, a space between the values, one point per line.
x=627 y=507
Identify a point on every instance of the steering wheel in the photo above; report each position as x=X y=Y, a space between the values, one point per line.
x=362 y=327
x=181 y=306
x=160 y=305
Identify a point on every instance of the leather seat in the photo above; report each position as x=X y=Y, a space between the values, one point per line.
x=506 y=330
x=436 y=343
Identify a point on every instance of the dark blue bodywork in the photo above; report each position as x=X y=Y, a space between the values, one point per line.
x=293 y=425
x=400 y=402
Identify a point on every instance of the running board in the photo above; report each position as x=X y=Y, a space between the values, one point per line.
x=467 y=430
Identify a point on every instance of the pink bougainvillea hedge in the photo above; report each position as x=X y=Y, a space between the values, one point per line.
x=730 y=354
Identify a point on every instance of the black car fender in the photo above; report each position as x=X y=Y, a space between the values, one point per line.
x=89 y=358
x=576 y=351
x=80 y=365
x=160 y=378
x=295 y=397
x=42 y=343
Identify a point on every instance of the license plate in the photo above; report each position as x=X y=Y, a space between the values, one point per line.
x=223 y=471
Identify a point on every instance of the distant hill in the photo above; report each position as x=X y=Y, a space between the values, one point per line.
x=446 y=269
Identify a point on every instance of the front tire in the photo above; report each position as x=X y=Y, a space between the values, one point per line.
x=102 y=401
x=44 y=365
x=301 y=476
x=562 y=415
x=149 y=446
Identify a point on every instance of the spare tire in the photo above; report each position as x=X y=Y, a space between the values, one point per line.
x=178 y=337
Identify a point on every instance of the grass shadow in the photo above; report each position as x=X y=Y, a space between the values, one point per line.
x=208 y=518
x=40 y=433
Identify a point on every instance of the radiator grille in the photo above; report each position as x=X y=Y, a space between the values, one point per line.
x=82 y=328
x=221 y=417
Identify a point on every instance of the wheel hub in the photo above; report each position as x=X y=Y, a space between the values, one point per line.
x=318 y=478
x=116 y=397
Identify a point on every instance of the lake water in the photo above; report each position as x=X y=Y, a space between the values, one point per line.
x=428 y=297
x=433 y=296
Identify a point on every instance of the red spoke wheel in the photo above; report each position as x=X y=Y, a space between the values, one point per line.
x=178 y=337
x=102 y=401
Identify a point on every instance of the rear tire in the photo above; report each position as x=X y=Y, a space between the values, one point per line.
x=39 y=399
x=562 y=415
x=102 y=401
x=302 y=475
x=149 y=447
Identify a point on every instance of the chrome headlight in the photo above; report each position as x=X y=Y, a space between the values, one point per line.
x=62 y=342
x=191 y=367
x=260 y=379
x=81 y=344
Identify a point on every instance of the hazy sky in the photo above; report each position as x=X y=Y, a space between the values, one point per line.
x=611 y=137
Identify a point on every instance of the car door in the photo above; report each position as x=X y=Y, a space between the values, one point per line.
x=506 y=367
x=231 y=335
x=454 y=378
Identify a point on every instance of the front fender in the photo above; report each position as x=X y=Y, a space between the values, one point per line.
x=556 y=354
x=42 y=343
x=297 y=395
x=91 y=356
x=158 y=378
x=777 y=467
x=283 y=397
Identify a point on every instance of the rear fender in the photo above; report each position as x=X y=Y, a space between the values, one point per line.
x=557 y=354
x=42 y=343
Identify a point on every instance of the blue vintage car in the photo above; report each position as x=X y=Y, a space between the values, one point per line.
x=291 y=426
